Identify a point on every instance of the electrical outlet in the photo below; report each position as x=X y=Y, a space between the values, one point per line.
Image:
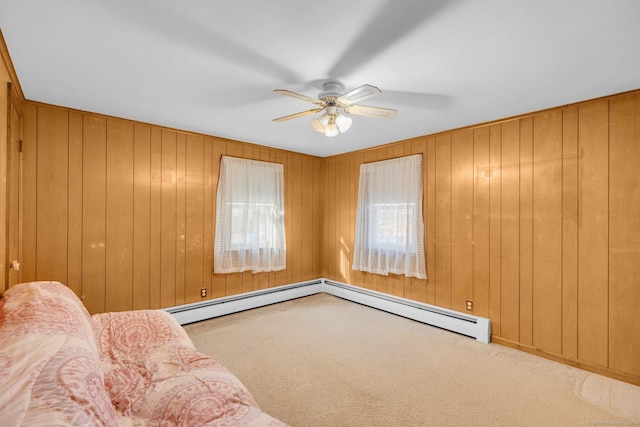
x=469 y=305
x=203 y=292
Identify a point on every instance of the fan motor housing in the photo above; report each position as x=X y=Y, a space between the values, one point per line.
x=332 y=88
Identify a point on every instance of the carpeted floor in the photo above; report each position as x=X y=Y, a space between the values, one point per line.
x=323 y=361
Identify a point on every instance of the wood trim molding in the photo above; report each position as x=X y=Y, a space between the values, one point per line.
x=6 y=58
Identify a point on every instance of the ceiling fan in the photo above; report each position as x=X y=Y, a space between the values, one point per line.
x=332 y=100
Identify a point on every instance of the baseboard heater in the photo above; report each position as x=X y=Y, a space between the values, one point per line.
x=209 y=309
x=462 y=323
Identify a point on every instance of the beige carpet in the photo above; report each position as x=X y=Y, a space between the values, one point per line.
x=323 y=361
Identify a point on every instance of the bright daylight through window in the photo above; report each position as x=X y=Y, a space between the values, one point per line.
x=389 y=227
x=250 y=232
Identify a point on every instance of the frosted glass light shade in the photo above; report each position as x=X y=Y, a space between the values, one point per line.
x=319 y=123
x=331 y=124
x=343 y=122
x=331 y=130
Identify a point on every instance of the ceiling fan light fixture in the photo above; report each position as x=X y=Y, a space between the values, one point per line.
x=320 y=123
x=331 y=130
x=343 y=122
x=331 y=123
x=333 y=101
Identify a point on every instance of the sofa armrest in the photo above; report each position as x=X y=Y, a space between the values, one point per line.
x=49 y=365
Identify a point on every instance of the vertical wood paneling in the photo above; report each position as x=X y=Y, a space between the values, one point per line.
x=208 y=190
x=510 y=231
x=52 y=195
x=482 y=180
x=462 y=217
x=168 y=219
x=155 y=224
x=570 y=232
x=29 y=192
x=553 y=205
x=337 y=250
x=307 y=223
x=443 y=220
x=317 y=217
x=218 y=149
x=624 y=235
x=289 y=218
x=547 y=231
x=194 y=217
x=351 y=197
x=141 y=216
x=137 y=204
x=180 y=209
x=295 y=206
x=94 y=177
x=119 y=216
x=430 y=225
x=593 y=233
x=74 y=221
x=330 y=221
x=495 y=220
x=5 y=175
x=13 y=175
x=525 y=304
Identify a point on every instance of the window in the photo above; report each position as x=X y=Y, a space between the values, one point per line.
x=250 y=217
x=389 y=227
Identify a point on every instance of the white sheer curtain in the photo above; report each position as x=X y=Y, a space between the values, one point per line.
x=250 y=231
x=389 y=228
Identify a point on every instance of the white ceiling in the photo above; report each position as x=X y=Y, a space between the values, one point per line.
x=211 y=66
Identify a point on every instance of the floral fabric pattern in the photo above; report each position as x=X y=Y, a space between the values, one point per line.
x=61 y=366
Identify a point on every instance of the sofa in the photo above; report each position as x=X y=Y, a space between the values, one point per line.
x=61 y=366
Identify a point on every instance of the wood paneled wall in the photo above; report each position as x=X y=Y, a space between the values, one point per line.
x=535 y=219
x=4 y=171
x=124 y=213
x=10 y=128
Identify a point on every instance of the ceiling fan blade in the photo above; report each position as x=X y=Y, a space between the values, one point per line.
x=364 y=110
x=358 y=94
x=422 y=100
x=169 y=21
x=299 y=96
x=393 y=21
x=300 y=114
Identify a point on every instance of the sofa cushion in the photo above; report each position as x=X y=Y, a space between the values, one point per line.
x=49 y=365
x=60 y=366
x=153 y=371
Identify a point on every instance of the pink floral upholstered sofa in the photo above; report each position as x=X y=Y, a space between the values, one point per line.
x=61 y=366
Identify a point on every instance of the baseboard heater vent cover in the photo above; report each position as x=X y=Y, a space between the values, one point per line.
x=209 y=309
x=462 y=323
